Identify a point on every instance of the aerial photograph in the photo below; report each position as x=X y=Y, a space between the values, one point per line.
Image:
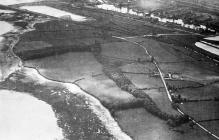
x=109 y=69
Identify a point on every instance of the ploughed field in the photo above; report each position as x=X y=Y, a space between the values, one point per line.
x=120 y=75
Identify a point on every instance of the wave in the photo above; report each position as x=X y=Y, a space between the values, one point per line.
x=95 y=105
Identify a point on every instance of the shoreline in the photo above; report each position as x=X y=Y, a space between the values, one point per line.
x=114 y=130
x=20 y=65
x=11 y=39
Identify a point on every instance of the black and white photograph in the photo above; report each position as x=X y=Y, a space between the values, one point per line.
x=109 y=69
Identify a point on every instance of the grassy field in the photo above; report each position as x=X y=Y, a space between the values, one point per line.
x=122 y=50
x=134 y=122
x=33 y=45
x=144 y=81
x=72 y=108
x=107 y=74
x=190 y=71
x=106 y=91
x=138 y=68
x=133 y=71
x=213 y=126
x=202 y=110
x=67 y=67
x=208 y=92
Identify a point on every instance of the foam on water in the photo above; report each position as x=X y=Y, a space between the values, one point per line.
x=101 y=112
x=24 y=117
x=50 y=11
x=94 y=104
x=34 y=75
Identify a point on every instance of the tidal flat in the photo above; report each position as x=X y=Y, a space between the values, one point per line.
x=101 y=83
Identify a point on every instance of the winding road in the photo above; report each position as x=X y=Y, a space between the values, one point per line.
x=166 y=88
x=152 y=60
